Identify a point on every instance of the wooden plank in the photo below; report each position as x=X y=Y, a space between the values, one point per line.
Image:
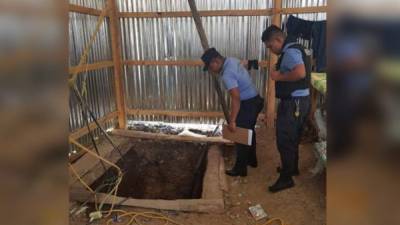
x=138 y=112
x=83 y=131
x=211 y=183
x=201 y=13
x=90 y=67
x=241 y=135
x=90 y=168
x=158 y=112
x=199 y=25
x=205 y=45
x=84 y=10
x=270 y=85
x=223 y=182
x=189 y=205
x=211 y=13
x=212 y=201
x=159 y=136
x=301 y=10
x=262 y=63
x=164 y=63
x=116 y=53
x=88 y=163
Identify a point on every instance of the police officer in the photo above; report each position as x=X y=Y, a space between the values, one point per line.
x=246 y=104
x=292 y=76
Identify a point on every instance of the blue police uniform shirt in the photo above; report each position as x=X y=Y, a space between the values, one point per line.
x=235 y=75
x=292 y=58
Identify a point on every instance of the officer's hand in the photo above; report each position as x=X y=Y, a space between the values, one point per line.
x=232 y=126
x=244 y=63
x=275 y=75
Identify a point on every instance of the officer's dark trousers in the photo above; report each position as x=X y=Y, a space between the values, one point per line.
x=247 y=118
x=288 y=131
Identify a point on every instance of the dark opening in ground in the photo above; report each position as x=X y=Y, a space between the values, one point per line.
x=159 y=170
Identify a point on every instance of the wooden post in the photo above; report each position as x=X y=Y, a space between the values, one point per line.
x=116 y=54
x=204 y=43
x=199 y=25
x=270 y=85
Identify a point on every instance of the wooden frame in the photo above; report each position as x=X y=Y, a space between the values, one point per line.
x=158 y=112
x=90 y=67
x=270 y=84
x=262 y=63
x=209 y=13
x=90 y=168
x=83 y=131
x=214 y=183
x=212 y=200
x=117 y=58
x=117 y=62
x=138 y=112
x=108 y=64
x=163 y=63
x=160 y=136
x=84 y=10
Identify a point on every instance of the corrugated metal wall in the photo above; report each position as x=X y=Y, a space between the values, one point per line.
x=95 y=4
x=168 y=87
x=189 y=88
x=184 y=88
x=99 y=83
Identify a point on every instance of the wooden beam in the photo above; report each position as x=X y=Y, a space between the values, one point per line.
x=164 y=63
x=270 y=85
x=223 y=182
x=90 y=67
x=90 y=168
x=212 y=196
x=201 y=13
x=205 y=45
x=159 y=136
x=211 y=179
x=262 y=63
x=83 y=131
x=301 y=10
x=199 y=25
x=211 y=201
x=116 y=53
x=189 y=205
x=211 y=13
x=138 y=112
x=157 y=112
x=84 y=10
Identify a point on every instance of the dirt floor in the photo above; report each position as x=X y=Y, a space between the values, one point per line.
x=302 y=205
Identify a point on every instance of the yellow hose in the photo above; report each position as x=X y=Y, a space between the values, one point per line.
x=133 y=215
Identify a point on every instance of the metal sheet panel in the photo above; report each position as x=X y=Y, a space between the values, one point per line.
x=184 y=88
x=99 y=83
x=172 y=87
x=189 y=88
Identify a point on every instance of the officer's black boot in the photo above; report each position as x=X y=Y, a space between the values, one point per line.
x=284 y=182
x=240 y=168
x=252 y=155
x=252 y=161
x=236 y=172
x=296 y=165
x=296 y=172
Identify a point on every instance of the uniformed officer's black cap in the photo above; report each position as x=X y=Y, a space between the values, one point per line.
x=208 y=55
